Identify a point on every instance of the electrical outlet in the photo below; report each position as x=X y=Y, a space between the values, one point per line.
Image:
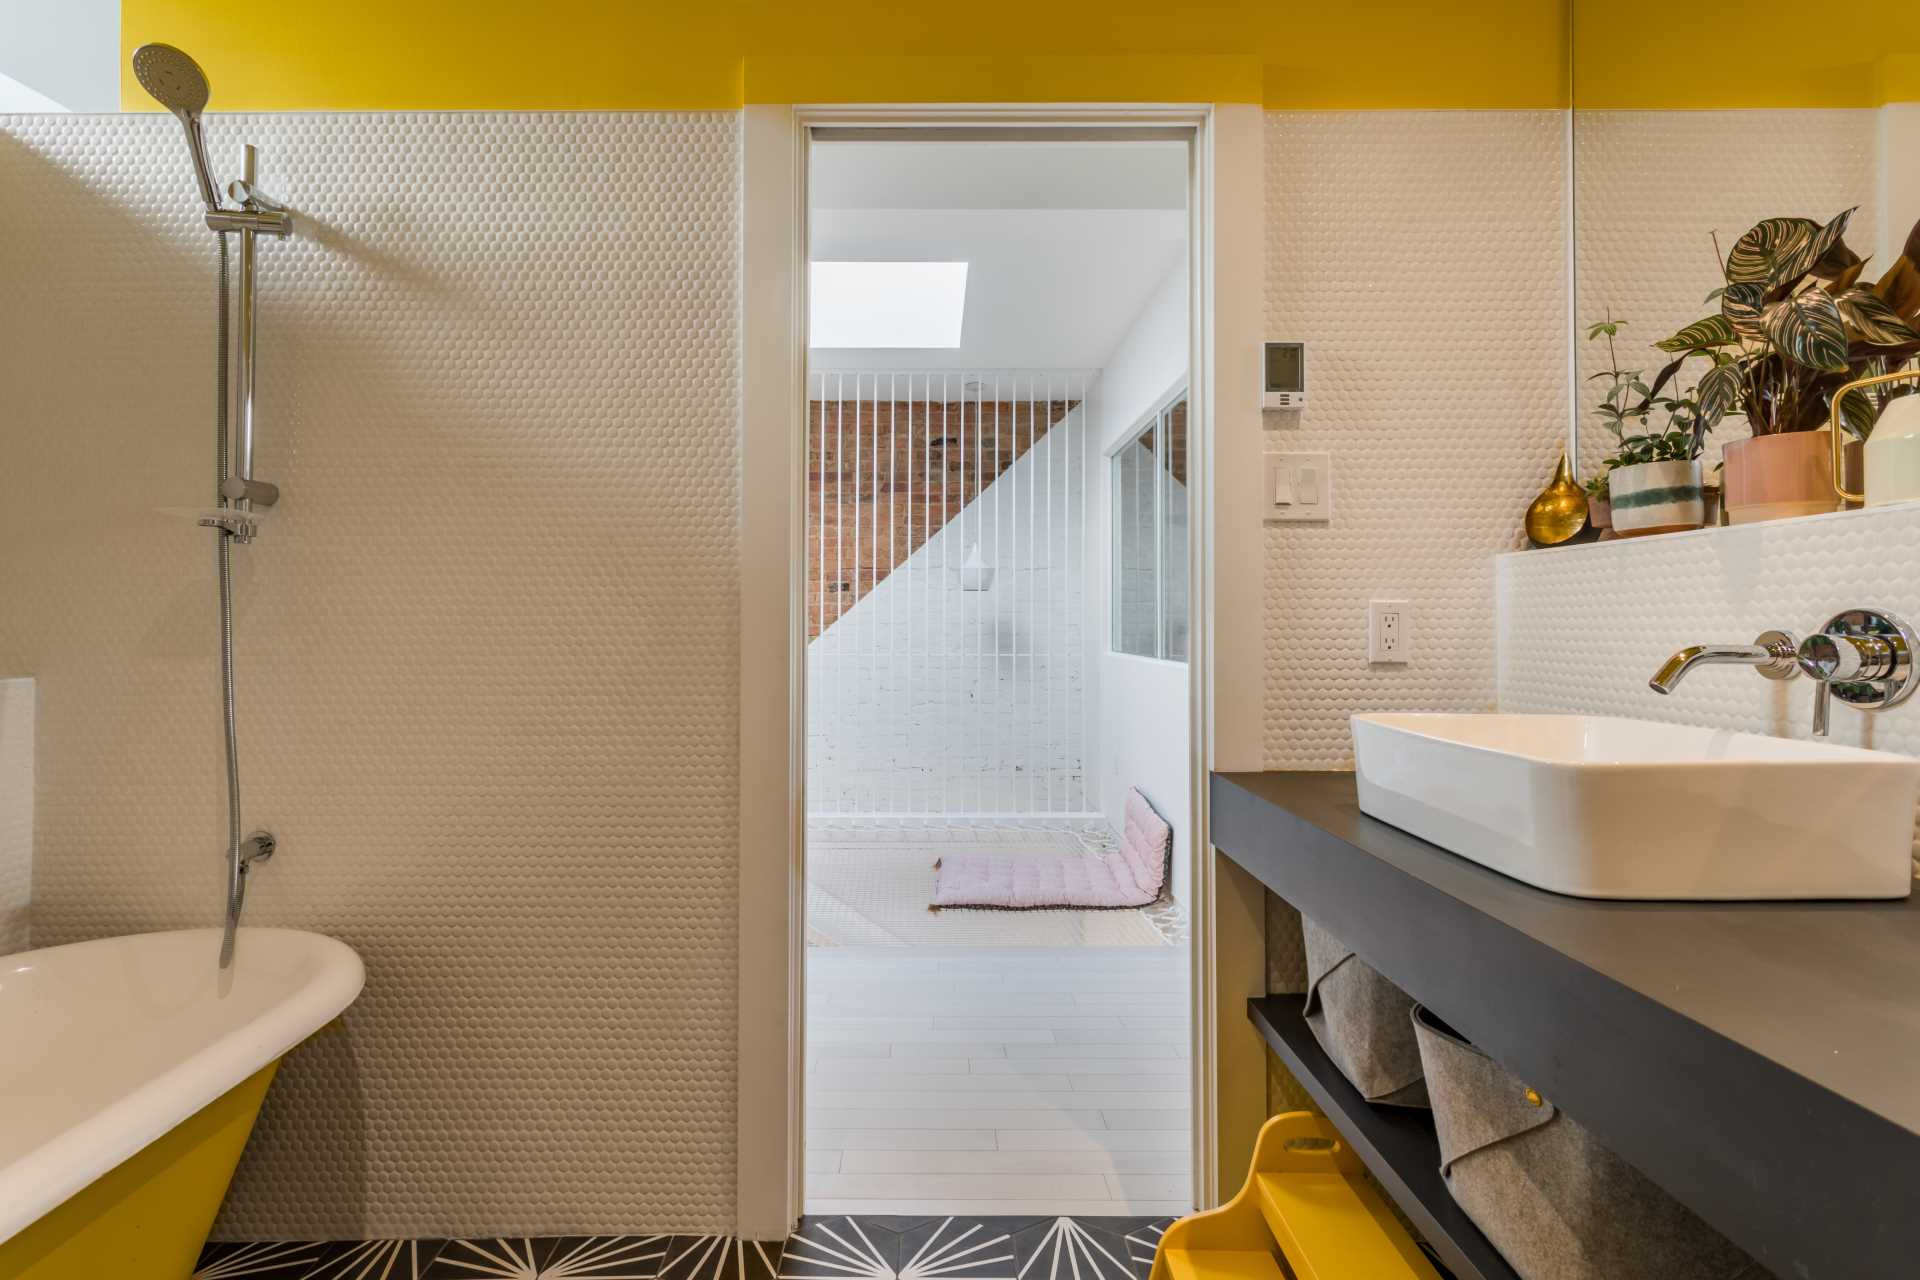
x=1387 y=631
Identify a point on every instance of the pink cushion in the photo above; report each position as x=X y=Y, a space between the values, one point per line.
x=1131 y=877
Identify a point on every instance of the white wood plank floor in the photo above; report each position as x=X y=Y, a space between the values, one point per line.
x=1004 y=1080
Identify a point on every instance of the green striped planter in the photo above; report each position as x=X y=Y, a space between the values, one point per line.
x=1657 y=497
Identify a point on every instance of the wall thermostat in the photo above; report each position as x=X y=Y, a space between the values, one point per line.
x=1284 y=376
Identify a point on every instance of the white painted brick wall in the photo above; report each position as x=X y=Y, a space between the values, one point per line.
x=910 y=711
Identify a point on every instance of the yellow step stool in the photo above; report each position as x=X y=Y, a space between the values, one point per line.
x=1306 y=1194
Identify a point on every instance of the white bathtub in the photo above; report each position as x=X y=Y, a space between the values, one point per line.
x=108 y=1047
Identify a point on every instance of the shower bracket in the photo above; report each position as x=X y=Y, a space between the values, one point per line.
x=261 y=493
x=262 y=221
x=242 y=524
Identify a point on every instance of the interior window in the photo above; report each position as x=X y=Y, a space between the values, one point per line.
x=1150 y=537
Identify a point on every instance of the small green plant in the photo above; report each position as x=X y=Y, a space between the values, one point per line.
x=1622 y=385
x=1630 y=402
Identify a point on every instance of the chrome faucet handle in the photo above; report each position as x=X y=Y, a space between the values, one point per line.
x=1863 y=657
x=1828 y=657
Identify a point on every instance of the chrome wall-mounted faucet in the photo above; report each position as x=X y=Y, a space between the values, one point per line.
x=1862 y=656
x=1772 y=653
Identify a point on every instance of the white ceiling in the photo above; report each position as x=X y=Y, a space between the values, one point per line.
x=61 y=55
x=1065 y=242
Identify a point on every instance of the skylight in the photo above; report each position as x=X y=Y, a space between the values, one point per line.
x=886 y=304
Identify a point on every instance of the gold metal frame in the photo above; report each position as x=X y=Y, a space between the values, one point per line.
x=1834 y=423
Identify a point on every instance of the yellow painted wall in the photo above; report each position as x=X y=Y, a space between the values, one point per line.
x=637 y=54
x=1644 y=54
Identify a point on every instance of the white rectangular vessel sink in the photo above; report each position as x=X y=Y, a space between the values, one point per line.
x=1600 y=807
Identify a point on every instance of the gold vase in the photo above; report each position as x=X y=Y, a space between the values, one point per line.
x=1559 y=514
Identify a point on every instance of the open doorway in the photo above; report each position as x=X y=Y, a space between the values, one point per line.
x=997 y=721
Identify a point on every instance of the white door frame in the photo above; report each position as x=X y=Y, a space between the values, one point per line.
x=1225 y=300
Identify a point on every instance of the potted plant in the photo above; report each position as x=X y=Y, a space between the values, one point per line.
x=1653 y=478
x=1600 y=503
x=1794 y=326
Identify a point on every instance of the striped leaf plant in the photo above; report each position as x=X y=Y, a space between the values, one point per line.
x=1794 y=325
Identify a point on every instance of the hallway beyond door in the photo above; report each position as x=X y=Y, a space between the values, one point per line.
x=1003 y=1081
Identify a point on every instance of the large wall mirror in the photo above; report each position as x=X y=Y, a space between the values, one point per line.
x=1746 y=191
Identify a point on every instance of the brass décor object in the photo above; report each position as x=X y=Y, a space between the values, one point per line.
x=1839 y=486
x=1559 y=514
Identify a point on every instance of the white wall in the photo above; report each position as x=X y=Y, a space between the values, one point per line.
x=1139 y=705
x=1421 y=257
x=66 y=53
x=16 y=813
x=928 y=699
x=488 y=643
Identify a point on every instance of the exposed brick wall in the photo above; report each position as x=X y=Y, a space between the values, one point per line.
x=885 y=475
x=930 y=699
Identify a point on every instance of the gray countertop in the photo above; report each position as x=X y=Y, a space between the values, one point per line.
x=1759 y=1060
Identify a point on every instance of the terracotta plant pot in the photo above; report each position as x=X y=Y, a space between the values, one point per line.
x=1657 y=497
x=1600 y=511
x=1772 y=477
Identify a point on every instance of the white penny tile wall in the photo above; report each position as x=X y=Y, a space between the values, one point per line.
x=487 y=642
x=1421 y=257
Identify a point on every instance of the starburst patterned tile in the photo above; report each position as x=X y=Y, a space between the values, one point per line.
x=960 y=1249
x=1066 y=1249
x=902 y=1249
x=1143 y=1242
x=550 y=1258
x=840 y=1249
x=833 y=1248
x=721 y=1258
x=260 y=1260
x=374 y=1260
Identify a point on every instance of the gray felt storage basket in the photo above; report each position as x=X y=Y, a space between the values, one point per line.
x=1557 y=1204
x=1362 y=1021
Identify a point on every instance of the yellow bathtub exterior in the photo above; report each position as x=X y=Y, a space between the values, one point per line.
x=148 y=1218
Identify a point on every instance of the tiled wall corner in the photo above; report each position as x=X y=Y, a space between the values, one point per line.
x=1421 y=257
x=488 y=642
x=16 y=814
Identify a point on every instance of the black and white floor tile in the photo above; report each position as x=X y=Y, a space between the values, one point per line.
x=551 y=1258
x=318 y=1260
x=824 y=1248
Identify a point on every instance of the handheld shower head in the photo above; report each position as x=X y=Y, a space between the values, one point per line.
x=178 y=84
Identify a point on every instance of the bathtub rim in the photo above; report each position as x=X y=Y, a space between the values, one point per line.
x=46 y=1176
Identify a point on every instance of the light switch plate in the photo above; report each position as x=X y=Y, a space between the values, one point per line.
x=1299 y=486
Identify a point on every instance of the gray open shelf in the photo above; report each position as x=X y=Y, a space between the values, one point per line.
x=1396 y=1143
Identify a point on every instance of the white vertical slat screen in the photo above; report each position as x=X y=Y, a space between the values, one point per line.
x=940 y=688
